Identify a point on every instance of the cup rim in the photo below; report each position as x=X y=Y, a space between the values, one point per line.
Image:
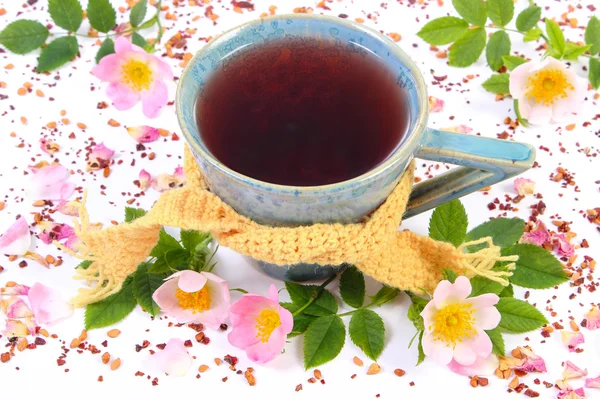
x=413 y=135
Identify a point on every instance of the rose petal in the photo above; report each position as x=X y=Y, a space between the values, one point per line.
x=518 y=79
x=17 y=239
x=173 y=360
x=485 y=313
x=190 y=281
x=47 y=304
x=572 y=339
x=15 y=308
x=144 y=179
x=458 y=129
x=562 y=246
x=482 y=366
x=122 y=97
x=143 y=134
x=109 y=68
x=264 y=352
x=436 y=350
x=571 y=371
x=50 y=183
x=14 y=289
x=592 y=382
x=154 y=99
x=436 y=104
x=538 y=236
x=70 y=208
x=122 y=45
x=19 y=328
x=100 y=157
x=447 y=292
x=524 y=186
x=592 y=318
x=49 y=146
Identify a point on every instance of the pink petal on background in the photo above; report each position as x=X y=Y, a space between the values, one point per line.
x=592 y=319
x=482 y=366
x=55 y=231
x=47 y=304
x=143 y=134
x=49 y=146
x=538 y=236
x=562 y=246
x=458 y=129
x=15 y=308
x=569 y=393
x=100 y=157
x=145 y=179
x=572 y=371
x=16 y=240
x=524 y=186
x=592 y=382
x=35 y=168
x=174 y=360
x=572 y=339
x=70 y=208
x=164 y=182
x=12 y=288
x=436 y=104
x=50 y=183
x=19 y=328
x=532 y=362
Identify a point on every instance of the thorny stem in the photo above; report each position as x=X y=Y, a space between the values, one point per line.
x=315 y=295
x=158 y=23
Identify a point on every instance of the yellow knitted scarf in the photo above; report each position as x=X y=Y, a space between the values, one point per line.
x=399 y=259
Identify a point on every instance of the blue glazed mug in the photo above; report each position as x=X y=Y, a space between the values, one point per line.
x=483 y=161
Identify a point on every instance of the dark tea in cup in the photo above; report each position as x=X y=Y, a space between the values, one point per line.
x=302 y=112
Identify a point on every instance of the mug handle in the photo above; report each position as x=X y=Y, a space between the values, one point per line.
x=484 y=161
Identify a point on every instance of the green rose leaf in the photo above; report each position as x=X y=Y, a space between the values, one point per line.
x=171 y=260
x=556 y=37
x=67 y=14
x=466 y=50
x=501 y=12
x=352 y=287
x=498 y=46
x=384 y=295
x=138 y=13
x=592 y=35
x=323 y=340
x=414 y=315
x=532 y=34
x=498 y=347
x=144 y=285
x=443 y=30
x=594 y=76
x=367 y=331
x=536 y=267
x=84 y=264
x=301 y=321
x=519 y=316
x=498 y=84
x=420 y=348
x=132 y=213
x=528 y=18
x=324 y=305
x=481 y=285
x=139 y=40
x=112 y=309
x=512 y=61
x=574 y=51
x=107 y=47
x=57 y=53
x=473 y=11
x=449 y=223
x=166 y=243
x=449 y=274
x=102 y=15
x=504 y=231
x=23 y=36
x=191 y=238
x=507 y=292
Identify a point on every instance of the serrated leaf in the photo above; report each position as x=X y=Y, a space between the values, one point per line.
x=367 y=331
x=420 y=349
x=144 y=285
x=324 y=305
x=352 y=287
x=449 y=223
x=384 y=295
x=507 y=292
x=594 y=72
x=512 y=61
x=191 y=238
x=133 y=213
x=592 y=35
x=84 y=264
x=67 y=14
x=138 y=40
x=112 y=309
x=57 y=53
x=473 y=11
x=443 y=30
x=498 y=347
x=173 y=259
x=556 y=38
x=102 y=15
x=323 y=340
x=23 y=36
x=481 y=285
x=573 y=51
x=528 y=18
x=498 y=84
x=501 y=12
x=450 y=275
x=498 y=46
x=519 y=316
x=165 y=244
x=532 y=34
x=301 y=321
x=414 y=315
x=536 y=268
x=504 y=231
x=138 y=13
x=466 y=50
x=107 y=47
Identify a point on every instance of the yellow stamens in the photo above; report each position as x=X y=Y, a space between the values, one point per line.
x=267 y=321
x=137 y=75
x=547 y=86
x=453 y=323
x=198 y=301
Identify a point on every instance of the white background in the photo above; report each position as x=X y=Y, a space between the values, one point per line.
x=36 y=372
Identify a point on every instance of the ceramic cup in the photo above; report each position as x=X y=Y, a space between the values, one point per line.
x=482 y=161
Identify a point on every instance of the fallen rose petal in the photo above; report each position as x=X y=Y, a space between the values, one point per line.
x=524 y=186
x=55 y=231
x=458 y=129
x=17 y=239
x=19 y=328
x=145 y=179
x=572 y=339
x=143 y=134
x=15 y=308
x=47 y=305
x=70 y=208
x=569 y=393
x=532 y=362
x=164 y=182
x=592 y=382
x=482 y=366
x=592 y=318
x=179 y=175
x=14 y=289
x=538 y=236
x=50 y=183
x=562 y=246
x=35 y=168
x=572 y=371
x=100 y=157
x=49 y=146
x=36 y=257
x=174 y=359
x=436 y=104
